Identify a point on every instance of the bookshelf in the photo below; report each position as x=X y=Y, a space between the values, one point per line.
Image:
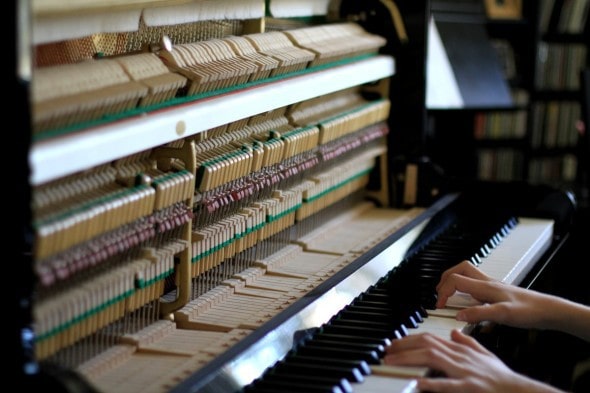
x=502 y=137
x=541 y=48
x=555 y=112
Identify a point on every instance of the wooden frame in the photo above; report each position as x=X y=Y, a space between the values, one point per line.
x=504 y=9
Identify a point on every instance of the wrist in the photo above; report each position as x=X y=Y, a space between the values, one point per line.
x=524 y=384
x=555 y=311
x=566 y=316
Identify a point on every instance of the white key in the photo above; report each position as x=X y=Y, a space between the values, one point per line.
x=513 y=258
x=461 y=300
x=439 y=326
x=509 y=262
x=375 y=383
x=444 y=312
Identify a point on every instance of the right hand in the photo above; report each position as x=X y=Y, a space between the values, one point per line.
x=501 y=303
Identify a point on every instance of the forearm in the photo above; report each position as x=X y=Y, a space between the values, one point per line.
x=529 y=385
x=568 y=317
x=496 y=383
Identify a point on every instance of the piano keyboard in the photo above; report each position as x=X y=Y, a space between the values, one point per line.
x=347 y=349
x=529 y=239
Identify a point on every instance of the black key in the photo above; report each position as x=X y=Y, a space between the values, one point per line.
x=361 y=331
x=309 y=349
x=372 y=320
x=346 y=344
x=373 y=331
x=392 y=317
x=375 y=297
x=360 y=365
x=264 y=386
x=351 y=374
x=355 y=339
x=389 y=328
x=275 y=375
x=405 y=309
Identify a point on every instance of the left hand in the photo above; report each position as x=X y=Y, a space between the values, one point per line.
x=468 y=366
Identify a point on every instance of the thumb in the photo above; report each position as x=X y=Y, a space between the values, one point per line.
x=485 y=312
x=461 y=338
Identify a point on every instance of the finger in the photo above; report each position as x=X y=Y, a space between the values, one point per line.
x=413 y=341
x=460 y=338
x=425 y=340
x=429 y=351
x=494 y=312
x=429 y=357
x=464 y=268
x=483 y=291
x=449 y=287
x=440 y=385
x=418 y=341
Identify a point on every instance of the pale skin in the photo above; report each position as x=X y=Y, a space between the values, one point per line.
x=467 y=365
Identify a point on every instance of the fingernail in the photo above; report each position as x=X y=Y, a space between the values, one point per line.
x=461 y=316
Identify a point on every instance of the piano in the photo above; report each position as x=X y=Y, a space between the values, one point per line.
x=384 y=278
x=389 y=293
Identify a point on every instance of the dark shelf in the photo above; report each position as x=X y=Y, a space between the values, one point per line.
x=515 y=143
x=554 y=94
x=507 y=27
x=541 y=152
x=522 y=41
x=565 y=38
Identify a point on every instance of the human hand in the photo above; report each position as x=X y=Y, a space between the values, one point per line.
x=467 y=365
x=501 y=303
